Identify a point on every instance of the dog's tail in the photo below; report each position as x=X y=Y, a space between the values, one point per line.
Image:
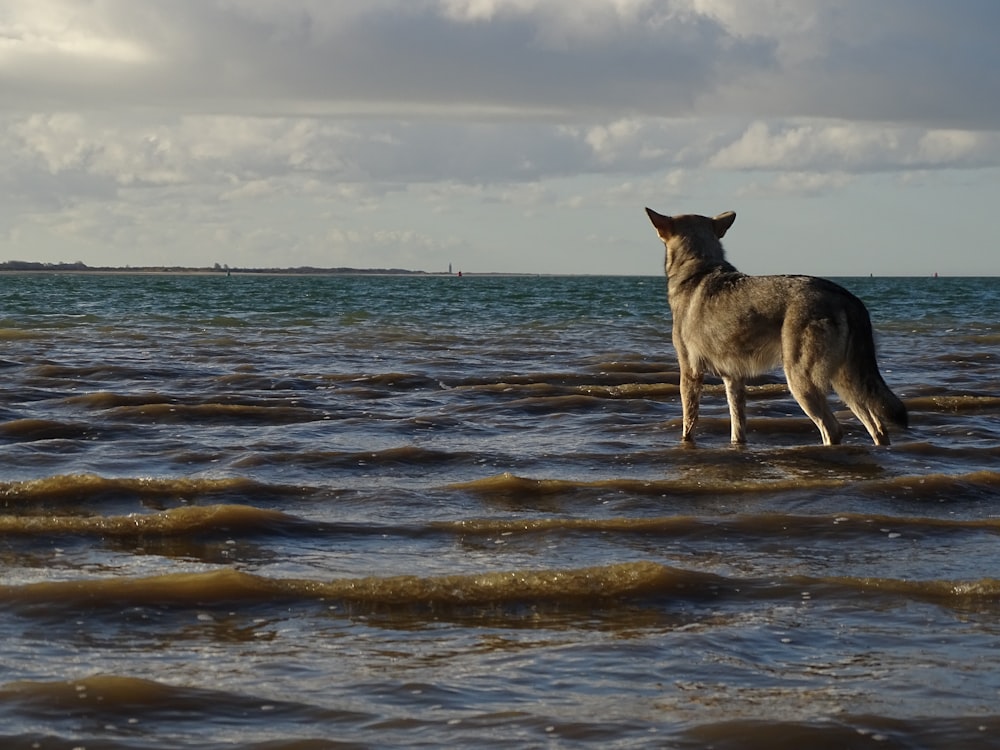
x=862 y=386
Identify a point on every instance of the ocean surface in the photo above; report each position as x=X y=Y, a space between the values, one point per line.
x=278 y=512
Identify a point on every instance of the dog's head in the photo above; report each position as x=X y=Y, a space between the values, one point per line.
x=692 y=239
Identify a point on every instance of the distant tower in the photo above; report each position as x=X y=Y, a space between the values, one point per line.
x=449 y=269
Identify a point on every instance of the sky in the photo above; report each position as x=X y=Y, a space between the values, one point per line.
x=851 y=137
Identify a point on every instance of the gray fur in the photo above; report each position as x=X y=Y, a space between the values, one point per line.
x=738 y=326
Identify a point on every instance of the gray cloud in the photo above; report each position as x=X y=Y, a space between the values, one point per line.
x=913 y=61
x=413 y=58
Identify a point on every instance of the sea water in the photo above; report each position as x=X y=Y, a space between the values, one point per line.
x=425 y=511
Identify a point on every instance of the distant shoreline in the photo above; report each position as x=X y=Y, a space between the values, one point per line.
x=18 y=266
x=317 y=272
x=28 y=267
x=11 y=268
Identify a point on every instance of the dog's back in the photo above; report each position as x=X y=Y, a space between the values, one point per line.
x=739 y=326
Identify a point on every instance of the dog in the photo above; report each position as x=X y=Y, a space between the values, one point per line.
x=738 y=327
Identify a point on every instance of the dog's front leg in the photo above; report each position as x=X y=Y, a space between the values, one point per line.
x=736 y=395
x=690 y=397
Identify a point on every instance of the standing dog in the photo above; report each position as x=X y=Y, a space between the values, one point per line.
x=739 y=326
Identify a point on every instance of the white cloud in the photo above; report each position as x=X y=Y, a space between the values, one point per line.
x=957 y=148
x=854 y=147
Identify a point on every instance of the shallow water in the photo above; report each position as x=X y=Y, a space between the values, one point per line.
x=309 y=512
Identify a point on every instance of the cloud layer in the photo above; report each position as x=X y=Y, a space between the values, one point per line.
x=904 y=61
x=325 y=110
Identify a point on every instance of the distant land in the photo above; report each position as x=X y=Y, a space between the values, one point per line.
x=79 y=267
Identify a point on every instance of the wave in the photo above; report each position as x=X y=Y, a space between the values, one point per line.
x=109 y=695
x=758 y=524
x=19 y=334
x=173 y=522
x=247 y=521
x=229 y=586
x=844 y=731
x=29 y=430
x=219 y=412
x=78 y=489
x=170 y=408
x=954 y=403
x=557 y=386
x=555 y=404
x=945 y=486
x=974 y=455
x=407 y=455
x=958 y=595
x=508 y=484
x=250 y=381
x=109 y=400
x=75 y=373
x=567 y=589
x=769 y=480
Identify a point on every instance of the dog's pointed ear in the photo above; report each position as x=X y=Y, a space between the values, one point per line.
x=664 y=224
x=722 y=222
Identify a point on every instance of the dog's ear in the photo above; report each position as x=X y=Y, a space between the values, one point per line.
x=722 y=222
x=664 y=224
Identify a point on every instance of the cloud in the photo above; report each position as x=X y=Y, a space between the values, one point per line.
x=912 y=61
x=855 y=147
x=65 y=156
x=416 y=58
x=214 y=117
x=908 y=62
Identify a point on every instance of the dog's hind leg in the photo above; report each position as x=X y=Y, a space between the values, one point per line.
x=862 y=388
x=872 y=423
x=736 y=395
x=863 y=411
x=811 y=356
x=813 y=401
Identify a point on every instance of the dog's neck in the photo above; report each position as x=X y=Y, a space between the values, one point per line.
x=683 y=266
